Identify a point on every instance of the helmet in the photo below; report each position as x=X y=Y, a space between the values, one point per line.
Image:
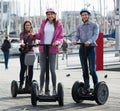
x=50 y=10
x=85 y=10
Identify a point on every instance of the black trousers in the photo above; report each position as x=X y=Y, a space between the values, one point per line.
x=23 y=70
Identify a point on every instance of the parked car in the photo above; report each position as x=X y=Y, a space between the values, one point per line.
x=15 y=44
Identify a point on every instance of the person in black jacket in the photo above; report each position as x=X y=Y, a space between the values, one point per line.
x=64 y=48
x=5 y=48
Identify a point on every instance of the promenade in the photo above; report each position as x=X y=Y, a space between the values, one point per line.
x=23 y=102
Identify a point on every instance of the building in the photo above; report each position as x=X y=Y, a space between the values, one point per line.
x=9 y=19
x=70 y=20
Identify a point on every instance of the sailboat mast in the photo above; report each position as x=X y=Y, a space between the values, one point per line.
x=1 y=25
x=40 y=12
x=29 y=9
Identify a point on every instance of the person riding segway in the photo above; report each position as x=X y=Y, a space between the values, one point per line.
x=50 y=36
x=36 y=96
x=27 y=58
x=87 y=33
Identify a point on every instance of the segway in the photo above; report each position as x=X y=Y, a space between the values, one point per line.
x=100 y=93
x=35 y=88
x=29 y=60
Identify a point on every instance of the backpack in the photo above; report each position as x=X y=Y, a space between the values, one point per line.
x=5 y=46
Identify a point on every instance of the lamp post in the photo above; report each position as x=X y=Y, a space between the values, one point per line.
x=29 y=9
x=117 y=24
x=40 y=12
x=1 y=25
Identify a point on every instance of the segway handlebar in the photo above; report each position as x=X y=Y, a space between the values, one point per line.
x=83 y=44
x=35 y=45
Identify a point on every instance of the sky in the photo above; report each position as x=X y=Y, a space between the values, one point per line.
x=62 y=5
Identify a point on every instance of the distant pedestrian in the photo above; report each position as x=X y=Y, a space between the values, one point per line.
x=64 y=49
x=5 y=48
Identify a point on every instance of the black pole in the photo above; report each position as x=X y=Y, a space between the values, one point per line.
x=85 y=58
x=47 y=62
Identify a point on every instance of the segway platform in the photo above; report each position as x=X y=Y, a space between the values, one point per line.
x=35 y=89
x=43 y=98
x=29 y=60
x=99 y=94
x=24 y=91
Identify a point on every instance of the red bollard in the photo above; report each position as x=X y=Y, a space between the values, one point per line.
x=99 y=52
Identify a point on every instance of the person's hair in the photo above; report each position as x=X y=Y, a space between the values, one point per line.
x=65 y=41
x=27 y=21
x=6 y=37
x=55 y=21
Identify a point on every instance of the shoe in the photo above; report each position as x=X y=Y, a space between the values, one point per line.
x=54 y=92
x=6 y=68
x=21 y=86
x=41 y=92
x=29 y=87
x=85 y=91
x=47 y=93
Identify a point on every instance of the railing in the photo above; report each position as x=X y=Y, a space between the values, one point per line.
x=1 y=56
x=111 y=59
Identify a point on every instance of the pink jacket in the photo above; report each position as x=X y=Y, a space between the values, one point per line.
x=58 y=37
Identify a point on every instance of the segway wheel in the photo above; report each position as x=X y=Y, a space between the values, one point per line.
x=34 y=93
x=76 y=90
x=101 y=93
x=60 y=93
x=14 y=88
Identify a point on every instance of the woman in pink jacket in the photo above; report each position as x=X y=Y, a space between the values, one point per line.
x=51 y=32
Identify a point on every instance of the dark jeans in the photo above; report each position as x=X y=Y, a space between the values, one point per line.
x=90 y=54
x=24 y=69
x=6 y=58
x=64 y=54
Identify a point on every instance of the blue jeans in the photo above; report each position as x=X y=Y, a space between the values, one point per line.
x=90 y=55
x=23 y=70
x=52 y=63
x=6 y=58
x=64 y=54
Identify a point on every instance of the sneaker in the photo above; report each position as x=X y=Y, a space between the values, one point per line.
x=54 y=92
x=85 y=91
x=47 y=93
x=41 y=92
x=29 y=87
x=21 y=86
